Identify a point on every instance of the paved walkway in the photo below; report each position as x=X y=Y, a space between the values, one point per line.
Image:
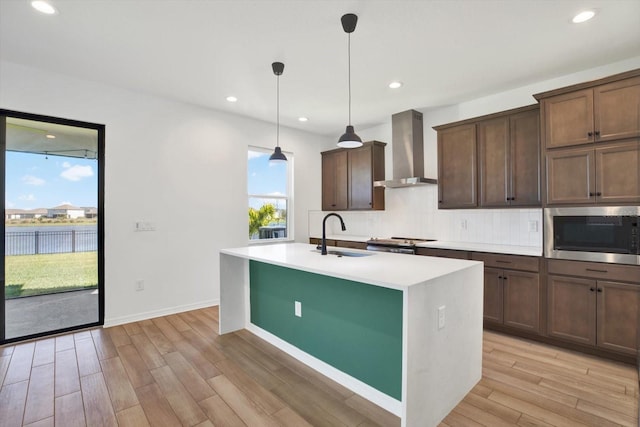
x=43 y=313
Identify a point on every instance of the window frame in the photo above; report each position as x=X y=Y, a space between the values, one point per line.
x=288 y=198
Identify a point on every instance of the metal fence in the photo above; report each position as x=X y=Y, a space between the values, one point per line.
x=50 y=242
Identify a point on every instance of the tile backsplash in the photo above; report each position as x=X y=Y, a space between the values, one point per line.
x=413 y=212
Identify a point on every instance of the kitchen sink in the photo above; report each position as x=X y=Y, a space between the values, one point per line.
x=346 y=253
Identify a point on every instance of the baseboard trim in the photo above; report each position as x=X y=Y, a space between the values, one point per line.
x=158 y=313
x=384 y=401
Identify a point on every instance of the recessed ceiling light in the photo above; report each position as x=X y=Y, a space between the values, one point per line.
x=232 y=99
x=303 y=119
x=49 y=136
x=43 y=7
x=583 y=16
x=395 y=85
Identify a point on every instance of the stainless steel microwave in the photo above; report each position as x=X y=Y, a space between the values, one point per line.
x=600 y=234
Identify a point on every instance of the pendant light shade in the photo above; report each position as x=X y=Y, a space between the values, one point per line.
x=349 y=139
x=278 y=155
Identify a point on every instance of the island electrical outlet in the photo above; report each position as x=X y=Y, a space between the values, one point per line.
x=297 y=308
x=441 y=316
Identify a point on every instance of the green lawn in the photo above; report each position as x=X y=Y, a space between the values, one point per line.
x=44 y=274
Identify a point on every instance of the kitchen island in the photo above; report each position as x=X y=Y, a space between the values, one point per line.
x=402 y=331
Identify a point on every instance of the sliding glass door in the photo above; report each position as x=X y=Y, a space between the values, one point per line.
x=52 y=185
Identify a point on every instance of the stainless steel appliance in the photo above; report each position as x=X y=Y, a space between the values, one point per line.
x=408 y=151
x=401 y=245
x=600 y=234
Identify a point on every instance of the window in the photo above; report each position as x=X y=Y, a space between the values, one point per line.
x=269 y=187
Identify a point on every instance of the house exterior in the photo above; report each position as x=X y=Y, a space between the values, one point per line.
x=66 y=211
x=24 y=213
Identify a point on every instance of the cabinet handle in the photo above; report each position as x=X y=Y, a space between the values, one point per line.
x=500 y=277
x=592 y=289
x=504 y=278
x=596 y=270
x=599 y=289
x=503 y=262
x=589 y=134
x=591 y=194
x=439 y=201
x=598 y=194
x=597 y=133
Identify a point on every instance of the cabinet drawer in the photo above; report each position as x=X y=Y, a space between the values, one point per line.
x=595 y=270
x=511 y=262
x=350 y=244
x=443 y=253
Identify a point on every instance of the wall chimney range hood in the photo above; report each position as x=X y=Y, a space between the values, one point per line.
x=407 y=147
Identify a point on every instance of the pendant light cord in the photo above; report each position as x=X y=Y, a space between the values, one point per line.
x=278 y=111
x=349 y=67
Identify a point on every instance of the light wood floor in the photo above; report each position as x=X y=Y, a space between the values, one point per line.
x=175 y=370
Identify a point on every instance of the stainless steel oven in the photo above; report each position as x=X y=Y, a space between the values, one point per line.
x=600 y=234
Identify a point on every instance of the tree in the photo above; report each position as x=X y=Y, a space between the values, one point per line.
x=260 y=217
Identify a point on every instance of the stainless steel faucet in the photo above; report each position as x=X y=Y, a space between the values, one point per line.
x=323 y=250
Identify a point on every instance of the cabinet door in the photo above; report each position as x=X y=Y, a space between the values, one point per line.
x=568 y=119
x=618 y=173
x=524 y=155
x=493 y=161
x=618 y=316
x=521 y=300
x=617 y=110
x=334 y=180
x=360 y=178
x=572 y=309
x=570 y=176
x=457 y=171
x=493 y=295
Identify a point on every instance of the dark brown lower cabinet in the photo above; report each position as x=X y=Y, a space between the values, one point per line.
x=511 y=298
x=594 y=312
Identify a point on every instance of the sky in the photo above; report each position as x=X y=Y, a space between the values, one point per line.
x=265 y=178
x=34 y=181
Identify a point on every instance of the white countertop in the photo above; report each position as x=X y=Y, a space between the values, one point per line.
x=396 y=271
x=461 y=246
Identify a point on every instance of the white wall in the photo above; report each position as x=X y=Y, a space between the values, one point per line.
x=412 y=212
x=179 y=166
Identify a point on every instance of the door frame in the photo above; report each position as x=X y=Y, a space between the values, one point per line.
x=100 y=225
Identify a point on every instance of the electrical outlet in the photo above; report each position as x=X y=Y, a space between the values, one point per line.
x=139 y=285
x=144 y=226
x=533 y=226
x=441 y=316
x=463 y=224
x=298 y=308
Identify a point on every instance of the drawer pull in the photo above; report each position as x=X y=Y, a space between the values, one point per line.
x=596 y=270
x=592 y=289
x=503 y=262
x=599 y=289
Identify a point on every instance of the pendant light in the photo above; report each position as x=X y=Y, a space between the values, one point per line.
x=349 y=139
x=278 y=155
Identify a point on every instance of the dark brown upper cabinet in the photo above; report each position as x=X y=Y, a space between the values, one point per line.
x=509 y=160
x=591 y=141
x=457 y=170
x=348 y=176
x=334 y=180
x=606 y=112
x=490 y=161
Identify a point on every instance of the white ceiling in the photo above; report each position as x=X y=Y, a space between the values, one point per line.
x=199 y=51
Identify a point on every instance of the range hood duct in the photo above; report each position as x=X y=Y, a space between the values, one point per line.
x=408 y=151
